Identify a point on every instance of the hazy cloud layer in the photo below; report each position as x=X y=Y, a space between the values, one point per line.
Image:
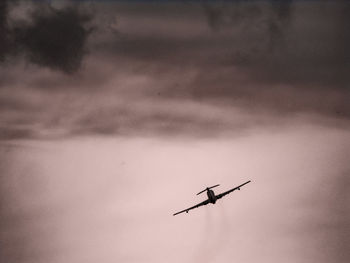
x=210 y=68
x=112 y=200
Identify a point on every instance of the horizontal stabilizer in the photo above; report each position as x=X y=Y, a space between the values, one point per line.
x=207 y=189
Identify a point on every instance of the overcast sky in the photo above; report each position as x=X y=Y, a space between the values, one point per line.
x=115 y=114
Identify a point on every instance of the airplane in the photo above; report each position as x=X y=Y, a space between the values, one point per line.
x=211 y=197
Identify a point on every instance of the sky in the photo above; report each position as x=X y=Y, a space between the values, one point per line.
x=114 y=114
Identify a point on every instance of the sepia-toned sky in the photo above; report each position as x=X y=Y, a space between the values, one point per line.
x=114 y=114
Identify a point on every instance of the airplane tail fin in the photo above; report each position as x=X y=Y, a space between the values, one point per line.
x=207 y=189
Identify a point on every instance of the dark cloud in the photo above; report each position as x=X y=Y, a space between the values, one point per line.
x=288 y=42
x=272 y=58
x=12 y=104
x=282 y=57
x=4 y=34
x=53 y=38
x=3 y=41
x=274 y=99
x=281 y=12
x=223 y=15
x=296 y=43
x=16 y=133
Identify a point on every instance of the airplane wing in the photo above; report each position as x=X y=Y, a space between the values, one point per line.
x=195 y=206
x=229 y=191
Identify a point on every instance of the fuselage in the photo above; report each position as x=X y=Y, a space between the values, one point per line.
x=211 y=196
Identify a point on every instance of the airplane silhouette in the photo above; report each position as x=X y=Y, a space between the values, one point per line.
x=211 y=197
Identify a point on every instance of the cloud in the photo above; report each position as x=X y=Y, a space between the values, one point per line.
x=15 y=133
x=149 y=71
x=275 y=43
x=55 y=40
x=4 y=34
x=49 y=37
x=289 y=42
